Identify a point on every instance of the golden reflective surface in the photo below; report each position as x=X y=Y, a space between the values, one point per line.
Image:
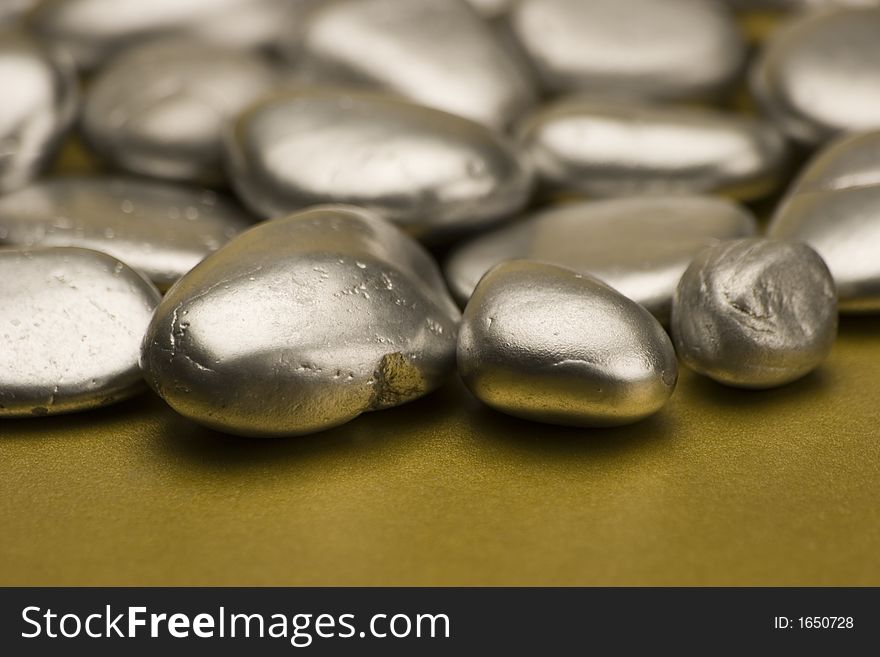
x=722 y=487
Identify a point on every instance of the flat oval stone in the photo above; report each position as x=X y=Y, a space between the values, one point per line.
x=159 y=109
x=92 y=30
x=302 y=324
x=834 y=206
x=439 y=54
x=38 y=107
x=428 y=171
x=820 y=74
x=548 y=344
x=640 y=247
x=673 y=49
x=607 y=148
x=160 y=229
x=71 y=321
x=755 y=313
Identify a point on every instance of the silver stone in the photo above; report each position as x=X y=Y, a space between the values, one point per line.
x=71 y=321
x=159 y=109
x=834 y=206
x=820 y=74
x=302 y=324
x=426 y=170
x=160 y=229
x=438 y=53
x=755 y=313
x=608 y=148
x=640 y=247
x=548 y=344
x=39 y=104
x=672 y=49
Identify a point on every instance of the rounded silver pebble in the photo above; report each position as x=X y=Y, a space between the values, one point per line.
x=834 y=206
x=640 y=247
x=159 y=109
x=755 y=313
x=674 y=49
x=428 y=171
x=302 y=324
x=71 y=322
x=440 y=54
x=820 y=74
x=612 y=148
x=548 y=344
x=160 y=229
x=39 y=104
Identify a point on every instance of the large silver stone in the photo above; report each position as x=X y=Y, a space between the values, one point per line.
x=834 y=206
x=640 y=247
x=159 y=109
x=39 y=104
x=755 y=313
x=71 y=321
x=820 y=74
x=301 y=324
x=162 y=230
x=614 y=148
x=426 y=170
x=548 y=344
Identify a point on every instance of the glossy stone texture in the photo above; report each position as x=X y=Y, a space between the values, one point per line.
x=302 y=324
x=160 y=229
x=428 y=171
x=834 y=206
x=672 y=49
x=610 y=148
x=39 y=103
x=159 y=109
x=820 y=74
x=640 y=247
x=92 y=30
x=548 y=344
x=439 y=54
x=71 y=321
x=755 y=313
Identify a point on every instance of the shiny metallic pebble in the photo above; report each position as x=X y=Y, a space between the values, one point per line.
x=302 y=324
x=609 y=148
x=755 y=313
x=640 y=247
x=673 y=49
x=440 y=54
x=39 y=104
x=162 y=230
x=548 y=344
x=159 y=109
x=92 y=30
x=71 y=321
x=834 y=206
x=820 y=74
x=428 y=171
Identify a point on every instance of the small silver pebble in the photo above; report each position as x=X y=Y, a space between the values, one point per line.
x=834 y=206
x=674 y=49
x=548 y=344
x=159 y=109
x=71 y=322
x=640 y=247
x=613 y=148
x=39 y=104
x=440 y=54
x=755 y=313
x=819 y=75
x=161 y=229
x=428 y=171
x=302 y=324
